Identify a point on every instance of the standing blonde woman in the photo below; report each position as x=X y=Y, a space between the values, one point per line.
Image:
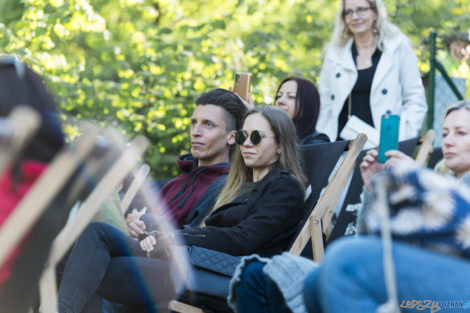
x=369 y=68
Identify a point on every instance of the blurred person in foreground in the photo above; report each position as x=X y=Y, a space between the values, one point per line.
x=20 y=85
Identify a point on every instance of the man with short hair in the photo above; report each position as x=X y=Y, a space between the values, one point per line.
x=189 y=196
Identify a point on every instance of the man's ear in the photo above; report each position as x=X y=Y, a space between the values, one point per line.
x=231 y=137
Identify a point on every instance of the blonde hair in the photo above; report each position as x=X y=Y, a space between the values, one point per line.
x=442 y=169
x=285 y=133
x=464 y=104
x=384 y=28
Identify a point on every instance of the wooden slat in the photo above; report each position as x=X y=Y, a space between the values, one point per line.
x=134 y=187
x=42 y=193
x=426 y=148
x=336 y=188
x=183 y=307
x=329 y=199
x=317 y=239
x=21 y=125
x=65 y=239
x=302 y=238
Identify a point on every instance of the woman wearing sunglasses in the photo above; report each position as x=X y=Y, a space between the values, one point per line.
x=300 y=99
x=257 y=212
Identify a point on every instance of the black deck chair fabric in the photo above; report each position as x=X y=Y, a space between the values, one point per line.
x=436 y=156
x=21 y=291
x=318 y=161
x=345 y=222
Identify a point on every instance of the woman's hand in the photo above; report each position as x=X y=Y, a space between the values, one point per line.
x=148 y=243
x=370 y=166
x=397 y=157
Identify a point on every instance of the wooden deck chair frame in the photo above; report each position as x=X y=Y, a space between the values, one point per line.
x=322 y=213
x=33 y=206
x=345 y=219
x=43 y=192
x=426 y=148
x=134 y=187
x=16 y=131
x=126 y=162
x=320 y=218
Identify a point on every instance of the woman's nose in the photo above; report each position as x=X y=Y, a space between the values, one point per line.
x=448 y=140
x=280 y=101
x=247 y=142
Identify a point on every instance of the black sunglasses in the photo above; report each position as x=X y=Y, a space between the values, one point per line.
x=255 y=137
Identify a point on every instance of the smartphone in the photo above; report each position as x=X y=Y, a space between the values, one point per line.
x=389 y=128
x=242 y=85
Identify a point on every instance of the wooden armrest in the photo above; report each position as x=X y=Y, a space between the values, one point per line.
x=183 y=307
x=134 y=187
x=16 y=132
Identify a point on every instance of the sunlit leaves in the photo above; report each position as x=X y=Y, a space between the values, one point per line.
x=139 y=64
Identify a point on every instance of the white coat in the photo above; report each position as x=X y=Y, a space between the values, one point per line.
x=396 y=86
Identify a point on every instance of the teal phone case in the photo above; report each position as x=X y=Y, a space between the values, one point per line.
x=389 y=128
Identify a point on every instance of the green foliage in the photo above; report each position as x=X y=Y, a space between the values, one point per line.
x=139 y=64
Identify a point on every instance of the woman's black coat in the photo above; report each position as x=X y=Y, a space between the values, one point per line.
x=262 y=222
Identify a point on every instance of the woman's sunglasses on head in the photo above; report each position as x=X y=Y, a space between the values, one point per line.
x=255 y=137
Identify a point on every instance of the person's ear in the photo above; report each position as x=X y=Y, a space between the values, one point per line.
x=278 y=151
x=231 y=137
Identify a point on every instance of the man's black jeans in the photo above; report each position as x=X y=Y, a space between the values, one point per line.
x=111 y=264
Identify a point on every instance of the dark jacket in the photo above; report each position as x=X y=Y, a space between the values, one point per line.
x=262 y=222
x=314 y=138
x=190 y=190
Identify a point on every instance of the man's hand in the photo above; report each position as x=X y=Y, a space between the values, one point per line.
x=136 y=227
x=248 y=103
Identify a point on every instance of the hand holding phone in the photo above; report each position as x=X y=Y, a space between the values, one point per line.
x=389 y=128
x=242 y=85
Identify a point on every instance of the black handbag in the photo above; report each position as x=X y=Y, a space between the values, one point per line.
x=212 y=272
x=214 y=261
